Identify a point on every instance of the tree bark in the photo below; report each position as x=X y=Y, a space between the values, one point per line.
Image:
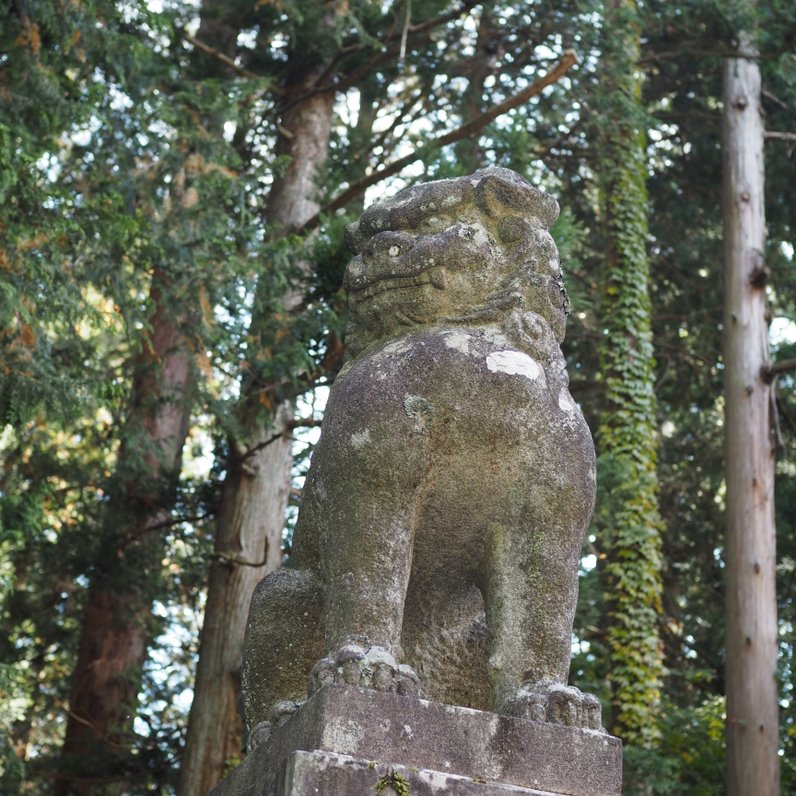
x=468 y=151
x=752 y=730
x=257 y=485
x=115 y=631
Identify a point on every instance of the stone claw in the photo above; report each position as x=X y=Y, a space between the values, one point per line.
x=592 y=712
x=556 y=703
x=407 y=683
x=282 y=711
x=322 y=674
x=383 y=677
x=277 y=716
x=258 y=735
x=368 y=667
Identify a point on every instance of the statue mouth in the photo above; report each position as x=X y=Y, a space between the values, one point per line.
x=397 y=260
x=379 y=284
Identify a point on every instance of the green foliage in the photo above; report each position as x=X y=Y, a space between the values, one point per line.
x=394 y=781
x=689 y=758
x=15 y=702
x=51 y=486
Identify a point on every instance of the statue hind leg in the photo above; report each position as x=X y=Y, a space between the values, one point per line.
x=444 y=639
x=284 y=638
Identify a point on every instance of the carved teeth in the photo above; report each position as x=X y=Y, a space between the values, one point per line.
x=438 y=278
x=389 y=283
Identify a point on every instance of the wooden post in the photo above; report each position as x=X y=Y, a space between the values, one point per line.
x=751 y=608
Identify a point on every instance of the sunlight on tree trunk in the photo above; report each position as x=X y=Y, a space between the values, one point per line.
x=257 y=485
x=116 y=627
x=751 y=608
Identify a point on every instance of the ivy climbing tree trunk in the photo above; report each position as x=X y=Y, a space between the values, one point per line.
x=751 y=606
x=627 y=436
x=257 y=484
x=116 y=627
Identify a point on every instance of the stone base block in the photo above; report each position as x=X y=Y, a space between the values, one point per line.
x=332 y=774
x=348 y=741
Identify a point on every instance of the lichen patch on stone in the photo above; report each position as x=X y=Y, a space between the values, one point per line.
x=458 y=341
x=396 y=347
x=515 y=363
x=360 y=438
x=565 y=401
x=344 y=735
x=420 y=410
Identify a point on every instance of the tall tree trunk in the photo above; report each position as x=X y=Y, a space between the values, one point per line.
x=257 y=484
x=469 y=154
x=751 y=607
x=627 y=437
x=116 y=626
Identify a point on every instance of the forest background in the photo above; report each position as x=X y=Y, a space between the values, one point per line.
x=175 y=179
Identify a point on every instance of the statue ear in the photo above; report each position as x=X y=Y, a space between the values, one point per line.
x=515 y=229
x=500 y=190
x=489 y=197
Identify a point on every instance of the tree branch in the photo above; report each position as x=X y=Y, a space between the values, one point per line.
x=675 y=55
x=779 y=136
x=420 y=27
x=23 y=15
x=778 y=367
x=219 y=56
x=776 y=100
x=232 y=561
x=783 y=410
x=389 y=50
x=264 y=444
x=307 y=422
x=568 y=60
x=405 y=32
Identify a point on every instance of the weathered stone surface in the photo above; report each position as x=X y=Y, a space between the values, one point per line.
x=440 y=529
x=332 y=774
x=358 y=734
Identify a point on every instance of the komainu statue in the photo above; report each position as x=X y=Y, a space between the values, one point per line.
x=438 y=539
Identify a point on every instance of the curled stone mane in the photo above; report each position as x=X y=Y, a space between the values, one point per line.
x=414 y=238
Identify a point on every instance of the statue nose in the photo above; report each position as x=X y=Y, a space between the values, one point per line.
x=381 y=258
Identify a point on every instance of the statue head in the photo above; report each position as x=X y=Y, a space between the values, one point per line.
x=468 y=250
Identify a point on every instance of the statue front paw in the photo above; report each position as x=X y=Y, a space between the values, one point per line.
x=277 y=716
x=555 y=703
x=367 y=667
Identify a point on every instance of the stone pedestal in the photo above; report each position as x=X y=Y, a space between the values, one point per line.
x=355 y=741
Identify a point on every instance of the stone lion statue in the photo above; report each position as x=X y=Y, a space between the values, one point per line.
x=438 y=539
